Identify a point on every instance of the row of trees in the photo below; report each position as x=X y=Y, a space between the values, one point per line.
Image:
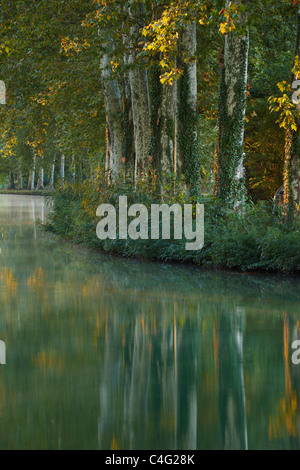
x=140 y=87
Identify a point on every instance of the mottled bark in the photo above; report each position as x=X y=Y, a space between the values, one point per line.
x=40 y=181
x=62 y=167
x=107 y=154
x=187 y=161
x=128 y=137
x=73 y=169
x=11 y=180
x=295 y=177
x=291 y=174
x=163 y=126
x=138 y=79
x=232 y=107
x=20 y=180
x=167 y=117
x=51 y=181
x=141 y=120
x=113 y=107
x=32 y=174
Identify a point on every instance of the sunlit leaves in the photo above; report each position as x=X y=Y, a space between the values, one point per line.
x=227 y=18
x=296 y=69
x=283 y=104
x=73 y=45
x=285 y=107
x=162 y=34
x=7 y=150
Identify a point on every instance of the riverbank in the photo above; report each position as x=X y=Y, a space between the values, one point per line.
x=255 y=241
x=25 y=192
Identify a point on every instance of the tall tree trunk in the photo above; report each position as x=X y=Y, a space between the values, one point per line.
x=62 y=168
x=138 y=80
x=107 y=154
x=113 y=107
x=40 y=181
x=167 y=116
x=73 y=169
x=291 y=175
x=163 y=125
x=188 y=163
x=11 y=180
x=232 y=107
x=32 y=174
x=51 y=182
x=20 y=180
x=128 y=137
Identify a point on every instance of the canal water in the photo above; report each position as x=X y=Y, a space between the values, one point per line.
x=108 y=353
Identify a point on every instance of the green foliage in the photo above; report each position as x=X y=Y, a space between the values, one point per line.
x=50 y=54
x=253 y=241
x=264 y=148
x=162 y=34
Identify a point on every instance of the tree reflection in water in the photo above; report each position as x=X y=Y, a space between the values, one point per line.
x=109 y=353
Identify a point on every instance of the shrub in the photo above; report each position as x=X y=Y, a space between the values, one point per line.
x=253 y=240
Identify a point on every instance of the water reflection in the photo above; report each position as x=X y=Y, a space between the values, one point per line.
x=107 y=353
x=232 y=397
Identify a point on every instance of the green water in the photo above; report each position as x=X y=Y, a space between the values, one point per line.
x=107 y=353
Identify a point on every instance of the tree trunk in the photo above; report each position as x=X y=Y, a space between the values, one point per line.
x=188 y=163
x=163 y=125
x=62 y=168
x=40 y=181
x=167 y=115
x=113 y=107
x=51 y=182
x=32 y=175
x=291 y=175
x=20 y=180
x=141 y=120
x=107 y=155
x=138 y=80
x=73 y=169
x=128 y=138
x=11 y=180
x=229 y=173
